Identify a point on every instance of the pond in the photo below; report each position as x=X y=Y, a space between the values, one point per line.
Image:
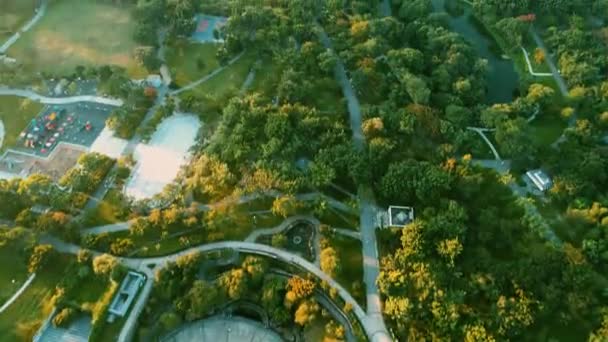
x=502 y=79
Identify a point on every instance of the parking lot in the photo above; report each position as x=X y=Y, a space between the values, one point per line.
x=78 y=124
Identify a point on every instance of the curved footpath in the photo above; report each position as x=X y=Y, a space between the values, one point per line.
x=60 y=100
x=18 y=293
x=41 y=11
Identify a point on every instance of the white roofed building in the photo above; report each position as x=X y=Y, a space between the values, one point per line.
x=540 y=180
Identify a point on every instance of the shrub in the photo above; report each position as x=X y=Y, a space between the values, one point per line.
x=64 y=317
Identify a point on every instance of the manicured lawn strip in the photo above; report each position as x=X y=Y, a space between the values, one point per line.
x=183 y=58
x=16 y=113
x=79 y=32
x=351 y=265
x=31 y=305
x=338 y=219
x=90 y=290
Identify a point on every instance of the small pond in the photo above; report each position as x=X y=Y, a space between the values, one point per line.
x=502 y=79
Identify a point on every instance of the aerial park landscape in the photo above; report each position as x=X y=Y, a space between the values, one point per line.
x=303 y=170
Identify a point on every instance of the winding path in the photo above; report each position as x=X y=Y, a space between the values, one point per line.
x=149 y=265
x=481 y=132
x=18 y=293
x=530 y=70
x=41 y=11
x=59 y=100
x=367 y=213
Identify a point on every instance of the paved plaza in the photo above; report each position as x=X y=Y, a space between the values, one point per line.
x=228 y=329
x=159 y=161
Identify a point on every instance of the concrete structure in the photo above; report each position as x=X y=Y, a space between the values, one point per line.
x=400 y=216
x=78 y=330
x=126 y=294
x=223 y=329
x=540 y=179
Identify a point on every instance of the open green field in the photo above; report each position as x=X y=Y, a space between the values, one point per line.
x=13 y=14
x=15 y=114
x=21 y=319
x=223 y=86
x=13 y=275
x=191 y=61
x=79 y=32
x=547 y=128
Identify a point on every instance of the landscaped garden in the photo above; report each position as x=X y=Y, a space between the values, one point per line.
x=79 y=32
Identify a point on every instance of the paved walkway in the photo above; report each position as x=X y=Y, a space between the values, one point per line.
x=530 y=70
x=18 y=293
x=371 y=265
x=481 y=132
x=561 y=84
x=59 y=100
x=41 y=11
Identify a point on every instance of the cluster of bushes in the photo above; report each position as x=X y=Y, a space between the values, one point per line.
x=160 y=114
x=125 y=120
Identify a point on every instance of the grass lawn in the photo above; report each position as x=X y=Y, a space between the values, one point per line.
x=338 y=219
x=13 y=14
x=266 y=80
x=350 y=275
x=183 y=60
x=18 y=322
x=16 y=113
x=79 y=32
x=90 y=290
x=14 y=268
x=547 y=128
x=225 y=84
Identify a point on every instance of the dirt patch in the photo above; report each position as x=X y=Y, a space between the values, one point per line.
x=52 y=47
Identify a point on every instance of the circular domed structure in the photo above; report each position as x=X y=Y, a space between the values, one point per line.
x=220 y=328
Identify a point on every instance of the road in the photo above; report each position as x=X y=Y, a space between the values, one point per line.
x=60 y=100
x=367 y=212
